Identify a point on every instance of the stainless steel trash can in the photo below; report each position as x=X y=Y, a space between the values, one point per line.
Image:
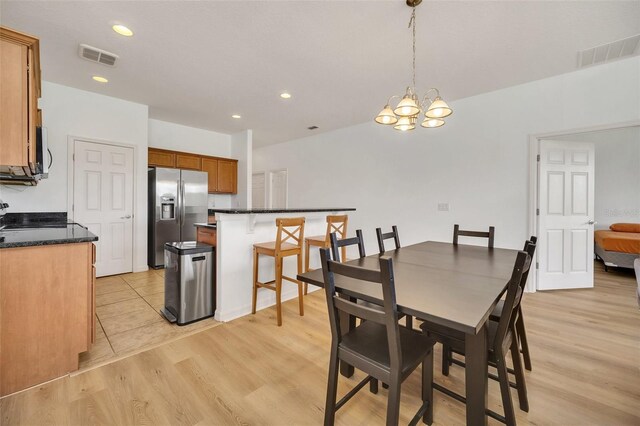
x=189 y=282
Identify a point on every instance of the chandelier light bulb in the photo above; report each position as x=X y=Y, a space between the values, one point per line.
x=404 y=124
x=386 y=116
x=407 y=107
x=431 y=123
x=438 y=109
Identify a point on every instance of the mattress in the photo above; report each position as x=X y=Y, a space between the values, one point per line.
x=623 y=242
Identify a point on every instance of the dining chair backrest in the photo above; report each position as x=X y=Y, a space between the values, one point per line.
x=514 y=295
x=457 y=232
x=389 y=235
x=337 y=224
x=290 y=231
x=387 y=316
x=336 y=244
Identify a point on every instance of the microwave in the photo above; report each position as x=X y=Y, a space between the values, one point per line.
x=29 y=175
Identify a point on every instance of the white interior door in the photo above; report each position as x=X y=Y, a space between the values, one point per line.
x=258 y=191
x=103 y=202
x=278 y=192
x=565 y=247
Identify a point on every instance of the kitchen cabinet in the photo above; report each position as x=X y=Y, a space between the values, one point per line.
x=48 y=312
x=162 y=158
x=206 y=235
x=227 y=176
x=222 y=172
x=188 y=161
x=20 y=82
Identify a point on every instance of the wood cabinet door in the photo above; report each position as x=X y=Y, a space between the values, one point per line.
x=186 y=161
x=207 y=235
x=14 y=104
x=227 y=176
x=210 y=166
x=162 y=158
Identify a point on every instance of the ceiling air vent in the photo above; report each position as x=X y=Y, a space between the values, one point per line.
x=94 y=54
x=609 y=52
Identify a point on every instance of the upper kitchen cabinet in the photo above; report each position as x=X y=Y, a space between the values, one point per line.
x=188 y=161
x=227 y=176
x=162 y=158
x=222 y=172
x=19 y=93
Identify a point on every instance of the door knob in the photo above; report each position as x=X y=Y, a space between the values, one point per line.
x=591 y=222
x=126 y=217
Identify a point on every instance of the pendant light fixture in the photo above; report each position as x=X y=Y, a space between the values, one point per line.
x=407 y=113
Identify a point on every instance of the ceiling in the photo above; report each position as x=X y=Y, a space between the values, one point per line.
x=197 y=63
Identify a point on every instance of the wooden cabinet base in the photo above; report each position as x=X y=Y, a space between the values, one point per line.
x=46 y=312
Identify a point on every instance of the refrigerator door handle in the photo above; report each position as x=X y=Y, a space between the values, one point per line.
x=183 y=206
x=178 y=203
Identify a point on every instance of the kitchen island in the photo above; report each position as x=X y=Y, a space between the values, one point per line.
x=47 y=289
x=237 y=231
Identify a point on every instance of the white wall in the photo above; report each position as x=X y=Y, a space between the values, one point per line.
x=72 y=112
x=617 y=174
x=242 y=149
x=172 y=136
x=477 y=163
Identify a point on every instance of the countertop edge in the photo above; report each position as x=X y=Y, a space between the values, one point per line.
x=48 y=242
x=272 y=211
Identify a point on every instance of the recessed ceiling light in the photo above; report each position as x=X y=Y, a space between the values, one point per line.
x=100 y=79
x=285 y=95
x=122 y=30
x=236 y=116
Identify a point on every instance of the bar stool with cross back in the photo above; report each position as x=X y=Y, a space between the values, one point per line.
x=335 y=223
x=288 y=243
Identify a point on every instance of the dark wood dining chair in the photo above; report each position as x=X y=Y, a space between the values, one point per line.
x=396 y=239
x=521 y=332
x=341 y=245
x=457 y=232
x=377 y=346
x=501 y=341
x=389 y=235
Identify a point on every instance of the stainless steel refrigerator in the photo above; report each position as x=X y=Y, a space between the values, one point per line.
x=177 y=201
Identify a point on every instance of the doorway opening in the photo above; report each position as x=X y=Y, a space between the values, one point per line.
x=583 y=182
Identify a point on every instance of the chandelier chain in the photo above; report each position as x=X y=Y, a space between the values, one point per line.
x=412 y=24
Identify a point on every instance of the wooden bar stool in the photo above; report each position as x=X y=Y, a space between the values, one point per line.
x=292 y=230
x=335 y=223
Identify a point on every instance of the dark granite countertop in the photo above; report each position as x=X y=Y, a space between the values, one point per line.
x=41 y=235
x=256 y=211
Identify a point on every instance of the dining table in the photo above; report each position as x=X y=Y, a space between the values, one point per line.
x=450 y=287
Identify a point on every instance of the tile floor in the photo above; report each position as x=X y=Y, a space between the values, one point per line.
x=128 y=317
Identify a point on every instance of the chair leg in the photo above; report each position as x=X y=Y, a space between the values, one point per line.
x=521 y=385
x=505 y=390
x=255 y=281
x=446 y=353
x=278 y=284
x=373 y=386
x=427 y=387
x=522 y=337
x=393 y=404
x=307 y=246
x=300 y=297
x=332 y=389
x=409 y=322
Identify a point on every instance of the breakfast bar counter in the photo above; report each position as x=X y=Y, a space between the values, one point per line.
x=237 y=231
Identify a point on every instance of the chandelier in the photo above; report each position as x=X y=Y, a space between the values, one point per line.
x=407 y=113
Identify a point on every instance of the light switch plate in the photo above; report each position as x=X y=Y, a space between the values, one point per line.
x=443 y=207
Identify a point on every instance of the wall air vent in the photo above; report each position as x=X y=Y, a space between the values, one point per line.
x=609 y=52
x=100 y=56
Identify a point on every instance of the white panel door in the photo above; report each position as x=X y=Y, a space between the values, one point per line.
x=103 y=202
x=258 y=191
x=565 y=245
x=278 y=189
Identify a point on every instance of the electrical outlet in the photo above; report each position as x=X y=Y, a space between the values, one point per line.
x=443 y=207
